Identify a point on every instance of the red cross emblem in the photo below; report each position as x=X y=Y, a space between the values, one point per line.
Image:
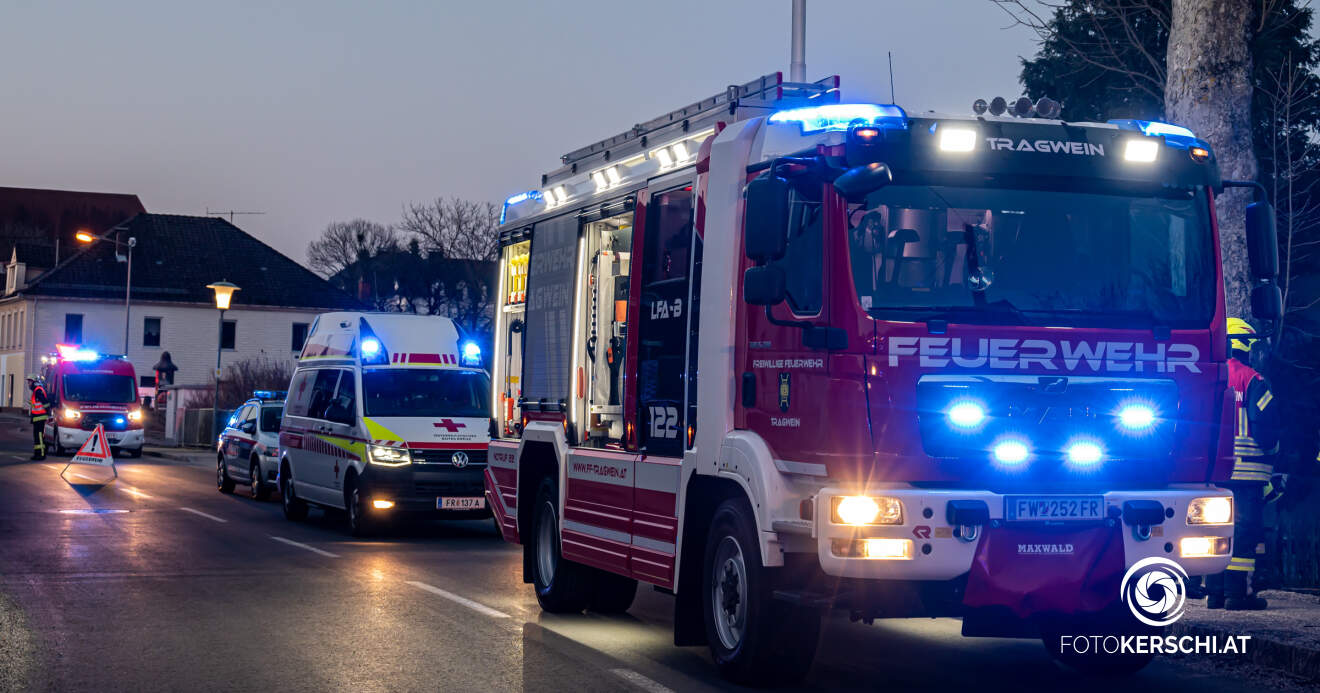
x=449 y=425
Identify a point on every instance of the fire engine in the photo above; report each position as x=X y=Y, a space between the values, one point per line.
x=88 y=388
x=775 y=354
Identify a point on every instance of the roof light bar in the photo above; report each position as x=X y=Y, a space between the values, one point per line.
x=838 y=117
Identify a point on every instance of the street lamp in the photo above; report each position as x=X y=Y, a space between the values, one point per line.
x=88 y=237
x=224 y=291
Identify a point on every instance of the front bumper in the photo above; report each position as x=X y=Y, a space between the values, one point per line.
x=130 y=439
x=418 y=488
x=940 y=551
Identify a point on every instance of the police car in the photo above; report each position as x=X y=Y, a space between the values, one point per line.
x=248 y=450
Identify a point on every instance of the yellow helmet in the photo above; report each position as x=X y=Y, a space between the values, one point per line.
x=1240 y=326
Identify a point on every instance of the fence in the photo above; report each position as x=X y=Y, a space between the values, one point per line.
x=202 y=426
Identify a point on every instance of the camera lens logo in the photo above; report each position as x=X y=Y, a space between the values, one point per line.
x=1155 y=589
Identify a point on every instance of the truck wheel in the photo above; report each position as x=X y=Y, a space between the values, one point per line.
x=612 y=594
x=754 y=639
x=1089 y=661
x=295 y=508
x=562 y=586
x=360 y=521
x=259 y=490
x=222 y=480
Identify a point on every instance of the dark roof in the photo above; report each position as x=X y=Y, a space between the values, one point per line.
x=177 y=256
x=33 y=219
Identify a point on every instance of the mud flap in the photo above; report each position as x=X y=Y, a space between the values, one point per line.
x=1031 y=573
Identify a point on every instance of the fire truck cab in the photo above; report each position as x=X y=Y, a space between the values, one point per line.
x=89 y=388
x=775 y=355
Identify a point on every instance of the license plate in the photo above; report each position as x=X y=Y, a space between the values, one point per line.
x=477 y=503
x=1064 y=508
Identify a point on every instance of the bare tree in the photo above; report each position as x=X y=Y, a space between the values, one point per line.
x=454 y=228
x=346 y=243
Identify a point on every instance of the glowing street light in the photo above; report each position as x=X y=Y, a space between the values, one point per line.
x=224 y=292
x=87 y=237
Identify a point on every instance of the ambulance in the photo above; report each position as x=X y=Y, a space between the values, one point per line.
x=386 y=415
x=89 y=388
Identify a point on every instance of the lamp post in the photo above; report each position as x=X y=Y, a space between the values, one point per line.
x=224 y=291
x=88 y=237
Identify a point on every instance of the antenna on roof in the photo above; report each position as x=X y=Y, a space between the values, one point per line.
x=891 y=78
x=231 y=213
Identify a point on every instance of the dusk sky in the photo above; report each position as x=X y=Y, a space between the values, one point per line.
x=314 y=112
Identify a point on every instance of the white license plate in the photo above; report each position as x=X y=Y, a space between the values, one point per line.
x=1062 y=508
x=477 y=503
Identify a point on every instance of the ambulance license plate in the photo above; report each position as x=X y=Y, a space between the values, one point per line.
x=1053 y=508
x=477 y=503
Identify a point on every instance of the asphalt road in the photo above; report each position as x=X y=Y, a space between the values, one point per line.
x=157 y=581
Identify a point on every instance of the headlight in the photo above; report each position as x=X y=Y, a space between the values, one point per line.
x=72 y=414
x=1204 y=547
x=1210 y=511
x=135 y=415
x=866 y=510
x=388 y=456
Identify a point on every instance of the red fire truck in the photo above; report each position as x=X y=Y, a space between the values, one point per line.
x=775 y=354
x=87 y=388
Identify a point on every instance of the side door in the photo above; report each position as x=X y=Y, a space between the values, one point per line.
x=346 y=446
x=320 y=461
x=246 y=440
x=295 y=429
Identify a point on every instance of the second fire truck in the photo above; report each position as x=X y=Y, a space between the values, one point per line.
x=775 y=355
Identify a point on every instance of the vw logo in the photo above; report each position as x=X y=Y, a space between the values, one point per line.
x=1155 y=589
x=459 y=459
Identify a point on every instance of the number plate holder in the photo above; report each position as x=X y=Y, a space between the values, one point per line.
x=1054 y=508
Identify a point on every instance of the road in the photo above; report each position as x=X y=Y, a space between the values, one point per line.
x=157 y=581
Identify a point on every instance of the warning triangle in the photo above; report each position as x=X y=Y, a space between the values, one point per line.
x=95 y=451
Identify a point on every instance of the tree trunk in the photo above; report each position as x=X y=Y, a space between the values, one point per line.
x=1209 y=90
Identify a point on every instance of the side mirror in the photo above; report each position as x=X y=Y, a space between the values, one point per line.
x=764 y=286
x=765 y=229
x=1267 y=302
x=856 y=183
x=1262 y=243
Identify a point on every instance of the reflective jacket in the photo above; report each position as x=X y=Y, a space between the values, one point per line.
x=39 y=411
x=1256 y=439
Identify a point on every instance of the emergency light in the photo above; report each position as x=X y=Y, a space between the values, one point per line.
x=73 y=353
x=471 y=354
x=838 y=117
x=1174 y=135
x=370 y=349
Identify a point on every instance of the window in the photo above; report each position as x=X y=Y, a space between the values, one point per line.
x=343 y=408
x=323 y=393
x=662 y=323
x=151 y=332
x=299 y=336
x=270 y=418
x=804 y=260
x=99 y=387
x=228 y=334
x=300 y=393
x=73 y=328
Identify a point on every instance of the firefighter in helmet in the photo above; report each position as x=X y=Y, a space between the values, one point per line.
x=1255 y=444
x=38 y=412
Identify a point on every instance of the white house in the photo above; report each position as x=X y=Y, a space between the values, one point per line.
x=81 y=301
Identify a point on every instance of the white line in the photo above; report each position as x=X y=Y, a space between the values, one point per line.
x=642 y=682
x=139 y=494
x=301 y=545
x=84 y=476
x=205 y=515
x=475 y=606
x=53 y=466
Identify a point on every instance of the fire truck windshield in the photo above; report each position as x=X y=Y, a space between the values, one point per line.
x=98 y=387
x=1057 y=258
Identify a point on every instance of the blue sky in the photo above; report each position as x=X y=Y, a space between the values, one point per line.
x=320 y=111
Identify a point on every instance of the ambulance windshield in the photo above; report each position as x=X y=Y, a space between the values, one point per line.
x=1054 y=258
x=425 y=392
x=99 y=387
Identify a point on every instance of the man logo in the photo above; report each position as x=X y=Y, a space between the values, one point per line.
x=459 y=459
x=1155 y=589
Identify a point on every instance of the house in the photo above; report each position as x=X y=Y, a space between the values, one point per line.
x=37 y=226
x=81 y=301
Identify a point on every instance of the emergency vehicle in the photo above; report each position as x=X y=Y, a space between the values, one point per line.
x=386 y=414
x=249 y=447
x=87 y=388
x=776 y=354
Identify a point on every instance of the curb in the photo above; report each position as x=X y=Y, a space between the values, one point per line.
x=1263 y=651
x=161 y=454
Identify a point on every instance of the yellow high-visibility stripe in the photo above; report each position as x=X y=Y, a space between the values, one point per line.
x=1242 y=559
x=1249 y=476
x=1239 y=568
x=1264 y=400
x=1254 y=466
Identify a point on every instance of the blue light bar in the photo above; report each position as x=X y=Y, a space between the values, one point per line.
x=519 y=199
x=1175 y=135
x=839 y=117
x=471 y=354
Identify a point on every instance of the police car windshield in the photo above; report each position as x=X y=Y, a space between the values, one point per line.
x=425 y=392
x=1046 y=257
x=271 y=415
x=99 y=387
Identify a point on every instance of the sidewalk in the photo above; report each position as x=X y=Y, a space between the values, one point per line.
x=1285 y=637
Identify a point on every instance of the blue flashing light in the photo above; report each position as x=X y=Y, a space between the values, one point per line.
x=840 y=117
x=518 y=199
x=965 y=414
x=1175 y=135
x=1136 y=417
x=1084 y=453
x=270 y=394
x=73 y=353
x=1011 y=452
x=1154 y=128
x=471 y=354
x=370 y=346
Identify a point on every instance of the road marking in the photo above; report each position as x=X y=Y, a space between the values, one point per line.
x=301 y=545
x=139 y=494
x=642 y=682
x=475 y=606
x=56 y=467
x=84 y=476
x=205 y=515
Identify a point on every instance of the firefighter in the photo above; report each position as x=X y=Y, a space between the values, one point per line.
x=38 y=411
x=1255 y=444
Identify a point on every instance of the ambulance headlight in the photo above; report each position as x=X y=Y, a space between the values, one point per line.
x=471 y=354
x=388 y=456
x=1217 y=510
x=866 y=510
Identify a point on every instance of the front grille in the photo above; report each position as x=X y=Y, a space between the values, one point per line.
x=111 y=421
x=456 y=487
x=476 y=458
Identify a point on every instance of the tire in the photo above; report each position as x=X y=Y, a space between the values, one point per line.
x=562 y=586
x=1094 y=664
x=361 y=523
x=295 y=508
x=133 y=453
x=613 y=594
x=258 y=489
x=222 y=480
x=754 y=639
